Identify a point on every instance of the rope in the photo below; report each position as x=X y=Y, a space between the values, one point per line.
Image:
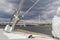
x=34 y=2
x=30 y=8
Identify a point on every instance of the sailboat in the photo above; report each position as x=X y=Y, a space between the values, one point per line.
x=15 y=17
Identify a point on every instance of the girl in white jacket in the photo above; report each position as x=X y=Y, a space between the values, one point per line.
x=56 y=24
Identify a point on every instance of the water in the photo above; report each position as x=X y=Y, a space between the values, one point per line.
x=40 y=29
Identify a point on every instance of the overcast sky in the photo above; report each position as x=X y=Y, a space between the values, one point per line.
x=46 y=9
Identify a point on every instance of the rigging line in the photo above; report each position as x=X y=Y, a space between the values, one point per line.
x=34 y=2
x=30 y=8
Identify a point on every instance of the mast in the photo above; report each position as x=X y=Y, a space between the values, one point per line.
x=19 y=8
x=16 y=14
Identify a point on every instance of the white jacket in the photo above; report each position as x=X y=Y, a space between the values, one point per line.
x=56 y=26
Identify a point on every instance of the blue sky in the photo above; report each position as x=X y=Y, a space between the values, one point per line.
x=45 y=8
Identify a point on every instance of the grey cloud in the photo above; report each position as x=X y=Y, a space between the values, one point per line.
x=45 y=8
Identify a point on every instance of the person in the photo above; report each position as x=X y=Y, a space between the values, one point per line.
x=56 y=24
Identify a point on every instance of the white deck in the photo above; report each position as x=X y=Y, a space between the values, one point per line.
x=18 y=36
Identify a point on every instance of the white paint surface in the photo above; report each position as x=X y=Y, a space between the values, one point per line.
x=16 y=35
x=23 y=36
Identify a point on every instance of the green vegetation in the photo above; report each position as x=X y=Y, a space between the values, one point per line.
x=48 y=24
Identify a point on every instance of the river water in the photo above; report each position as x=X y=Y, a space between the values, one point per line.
x=39 y=29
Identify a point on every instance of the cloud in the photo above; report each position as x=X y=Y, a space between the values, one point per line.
x=45 y=8
x=5 y=6
x=48 y=8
